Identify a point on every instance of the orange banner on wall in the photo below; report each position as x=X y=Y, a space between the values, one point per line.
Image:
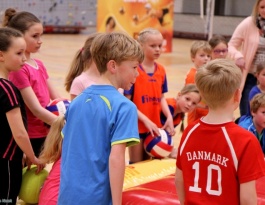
x=132 y=16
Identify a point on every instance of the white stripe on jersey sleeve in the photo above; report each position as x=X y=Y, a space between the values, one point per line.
x=231 y=147
x=188 y=135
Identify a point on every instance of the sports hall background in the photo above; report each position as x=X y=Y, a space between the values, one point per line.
x=187 y=21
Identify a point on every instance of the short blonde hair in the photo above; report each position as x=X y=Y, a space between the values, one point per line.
x=199 y=45
x=117 y=46
x=143 y=35
x=257 y=101
x=217 y=81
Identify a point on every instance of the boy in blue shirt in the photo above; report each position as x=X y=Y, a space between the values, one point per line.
x=255 y=122
x=100 y=123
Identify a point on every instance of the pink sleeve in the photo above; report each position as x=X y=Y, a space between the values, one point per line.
x=20 y=78
x=237 y=39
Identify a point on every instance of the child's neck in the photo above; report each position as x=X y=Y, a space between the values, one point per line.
x=29 y=60
x=177 y=110
x=3 y=73
x=258 y=128
x=219 y=116
x=148 y=65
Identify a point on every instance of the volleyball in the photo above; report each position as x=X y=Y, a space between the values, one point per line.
x=159 y=146
x=31 y=184
x=58 y=106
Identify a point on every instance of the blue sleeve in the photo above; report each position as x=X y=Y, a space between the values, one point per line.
x=164 y=86
x=125 y=129
x=254 y=91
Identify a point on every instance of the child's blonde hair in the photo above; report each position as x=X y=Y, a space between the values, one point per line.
x=218 y=81
x=189 y=88
x=52 y=148
x=257 y=101
x=80 y=63
x=117 y=46
x=143 y=35
x=199 y=45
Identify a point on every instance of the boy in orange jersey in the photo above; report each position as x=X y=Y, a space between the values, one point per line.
x=200 y=55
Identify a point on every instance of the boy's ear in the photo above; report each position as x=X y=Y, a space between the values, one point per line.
x=111 y=65
x=237 y=95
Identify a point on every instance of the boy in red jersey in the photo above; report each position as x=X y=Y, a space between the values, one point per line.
x=215 y=157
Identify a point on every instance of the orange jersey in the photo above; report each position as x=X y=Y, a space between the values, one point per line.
x=177 y=117
x=190 y=78
x=202 y=109
x=147 y=95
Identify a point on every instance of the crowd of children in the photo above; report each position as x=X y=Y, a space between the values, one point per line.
x=115 y=81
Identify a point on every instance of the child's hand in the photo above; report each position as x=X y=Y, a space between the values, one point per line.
x=153 y=129
x=169 y=126
x=37 y=162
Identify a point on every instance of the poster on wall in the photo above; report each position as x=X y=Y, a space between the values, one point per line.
x=132 y=16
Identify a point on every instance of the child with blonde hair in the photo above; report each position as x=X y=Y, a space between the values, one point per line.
x=32 y=79
x=185 y=102
x=51 y=153
x=200 y=52
x=215 y=156
x=255 y=121
x=147 y=93
x=100 y=124
x=83 y=71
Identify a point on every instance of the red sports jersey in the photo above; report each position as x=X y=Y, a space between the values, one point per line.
x=215 y=159
x=201 y=110
x=147 y=95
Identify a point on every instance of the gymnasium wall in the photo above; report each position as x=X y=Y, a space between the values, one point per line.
x=67 y=14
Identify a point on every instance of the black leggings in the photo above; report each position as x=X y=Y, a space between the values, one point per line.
x=10 y=179
x=37 y=144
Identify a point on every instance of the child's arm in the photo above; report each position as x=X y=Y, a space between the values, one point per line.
x=180 y=185
x=152 y=127
x=21 y=136
x=35 y=107
x=116 y=172
x=53 y=92
x=248 y=194
x=168 y=126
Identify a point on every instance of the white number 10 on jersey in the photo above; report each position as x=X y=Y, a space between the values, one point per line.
x=211 y=167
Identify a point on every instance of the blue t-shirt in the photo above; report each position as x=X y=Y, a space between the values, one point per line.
x=95 y=120
x=247 y=123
